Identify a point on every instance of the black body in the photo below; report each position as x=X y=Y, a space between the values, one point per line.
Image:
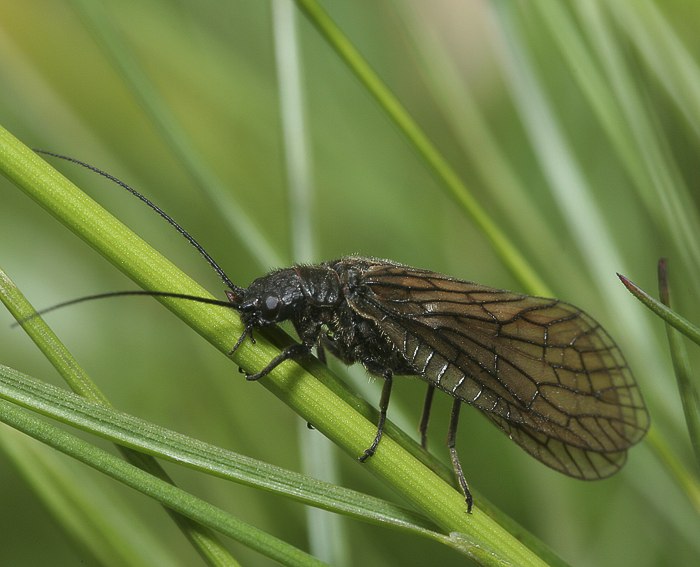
x=322 y=302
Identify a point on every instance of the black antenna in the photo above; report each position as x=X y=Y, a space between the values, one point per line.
x=198 y=299
x=238 y=290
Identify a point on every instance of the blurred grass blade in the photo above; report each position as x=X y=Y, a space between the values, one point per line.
x=567 y=182
x=672 y=199
x=687 y=390
x=204 y=540
x=297 y=150
x=328 y=537
x=96 y=519
x=671 y=317
x=508 y=252
x=614 y=96
x=477 y=138
x=662 y=50
x=626 y=117
x=117 y=50
x=687 y=481
x=164 y=492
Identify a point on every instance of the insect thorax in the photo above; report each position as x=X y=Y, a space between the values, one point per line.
x=328 y=319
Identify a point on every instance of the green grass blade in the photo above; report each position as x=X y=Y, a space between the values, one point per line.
x=478 y=141
x=662 y=188
x=686 y=480
x=149 y=438
x=687 y=390
x=507 y=251
x=164 y=492
x=624 y=116
x=688 y=393
x=663 y=52
x=96 y=520
x=567 y=182
x=671 y=317
x=108 y=37
x=205 y=541
x=47 y=341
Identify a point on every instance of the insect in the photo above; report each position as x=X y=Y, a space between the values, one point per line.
x=543 y=371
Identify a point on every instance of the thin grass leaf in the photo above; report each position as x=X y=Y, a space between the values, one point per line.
x=204 y=541
x=97 y=520
x=151 y=439
x=507 y=251
x=687 y=481
x=687 y=390
x=677 y=321
x=47 y=341
x=164 y=492
x=567 y=182
x=613 y=96
x=679 y=472
x=328 y=537
x=631 y=124
x=110 y=40
x=477 y=138
x=664 y=53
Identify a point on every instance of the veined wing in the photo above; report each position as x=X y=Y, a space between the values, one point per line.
x=542 y=370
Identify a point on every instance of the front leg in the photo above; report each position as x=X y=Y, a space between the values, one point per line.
x=292 y=351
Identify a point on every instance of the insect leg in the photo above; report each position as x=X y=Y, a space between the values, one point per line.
x=451 y=440
x=321 y=355
x=383 y=405
x=292 y=351
x=425 y=416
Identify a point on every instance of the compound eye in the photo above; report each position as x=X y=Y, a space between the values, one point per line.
x=271 y=307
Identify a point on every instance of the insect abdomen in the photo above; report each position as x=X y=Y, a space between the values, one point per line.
x=446 y=375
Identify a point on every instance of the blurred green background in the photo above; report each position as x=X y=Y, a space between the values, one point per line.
x=575 y=125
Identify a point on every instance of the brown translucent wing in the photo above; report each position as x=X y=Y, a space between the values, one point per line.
x=542 y=370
